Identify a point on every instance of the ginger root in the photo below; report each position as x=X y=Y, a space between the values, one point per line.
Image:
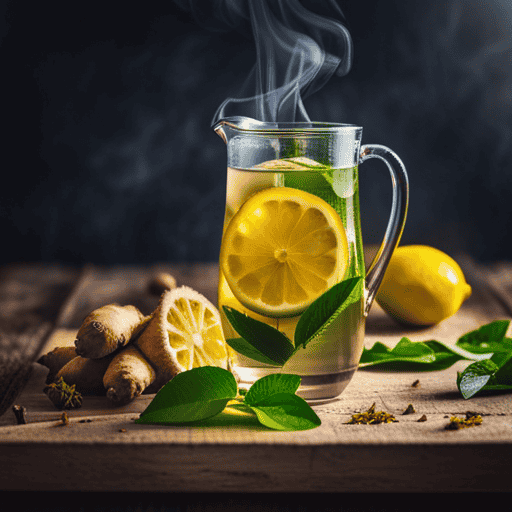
x=105 y=359
x=109 y=360
x=127 y=376
x=86 y=374
x=107 y=329
x=55 y=360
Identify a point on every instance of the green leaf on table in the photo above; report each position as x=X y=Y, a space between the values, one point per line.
x=271 y=385
x=285 y=411
x=326 y=308
x=488 y=338
x=262 y=339
x=193 y=395
x=201 y=393
x=274 y=402
x=494 y=374
x=415 y=355
x=475 y=377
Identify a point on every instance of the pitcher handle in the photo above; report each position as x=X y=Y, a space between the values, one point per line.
x=396 y=221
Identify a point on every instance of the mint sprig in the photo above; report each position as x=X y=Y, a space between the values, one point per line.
x=487 y=346
x=201 y=393
x=190 y=396
x=490 y=375
x=488 y=338
x=416 y=355
x=264 y=343
x=319 y=315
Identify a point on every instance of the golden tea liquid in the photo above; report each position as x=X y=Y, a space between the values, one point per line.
x=328 y=362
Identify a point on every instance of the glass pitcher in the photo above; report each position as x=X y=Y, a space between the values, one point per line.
x=292 y=233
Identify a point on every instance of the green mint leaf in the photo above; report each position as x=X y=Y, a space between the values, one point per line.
x=286 y=411
x=192 y=395
x=475 y=377
x=409 y=350
x=245 y=348
x=488 y=338
x=263 y=338
x=271 y=385
x=326 y=308
x=415 y=355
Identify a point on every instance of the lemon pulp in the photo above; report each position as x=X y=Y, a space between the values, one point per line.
x=195 y=333
x=283 y=249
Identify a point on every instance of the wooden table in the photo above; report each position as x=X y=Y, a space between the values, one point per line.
x=43 y=305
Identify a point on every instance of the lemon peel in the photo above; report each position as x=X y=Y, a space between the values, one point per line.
x=282 y=250
x=422 y=286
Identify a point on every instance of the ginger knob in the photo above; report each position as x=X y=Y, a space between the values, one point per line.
x=127 y=376
x=86 y=374
x=55 y=360
x=106 y=329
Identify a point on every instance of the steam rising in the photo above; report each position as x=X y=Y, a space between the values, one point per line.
x=297 y=52
x=120 y=162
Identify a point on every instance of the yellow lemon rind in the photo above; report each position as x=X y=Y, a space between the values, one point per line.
x=154 y=341
x=416 y=292
x=306 y=200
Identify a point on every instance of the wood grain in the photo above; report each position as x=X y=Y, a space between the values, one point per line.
x=31 y=298
x=229 y=452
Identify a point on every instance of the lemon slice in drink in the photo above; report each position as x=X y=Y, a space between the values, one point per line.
x=184 y=332
x=282 y=250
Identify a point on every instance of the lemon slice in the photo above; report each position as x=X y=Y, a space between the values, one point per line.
x=184 y=332
x=283 y=249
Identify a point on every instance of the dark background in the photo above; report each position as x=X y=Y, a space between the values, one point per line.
x=108 y=154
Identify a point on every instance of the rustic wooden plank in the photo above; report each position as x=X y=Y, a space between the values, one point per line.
x=36 y=298
x=31 y=297
x=224 y=456
x=338 y=468
x=130 y=285
x=436 y=395
x=31 y=294
x=228 y=454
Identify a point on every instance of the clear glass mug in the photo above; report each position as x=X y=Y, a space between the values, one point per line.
x=292 y=231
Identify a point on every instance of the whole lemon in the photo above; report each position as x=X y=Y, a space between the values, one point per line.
x=422 y=286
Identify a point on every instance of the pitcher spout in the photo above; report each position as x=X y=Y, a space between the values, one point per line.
x=229 y=126
x=220 y=130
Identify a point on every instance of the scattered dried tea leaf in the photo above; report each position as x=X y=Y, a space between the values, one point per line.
x=410 y=409
x=20 y=413
x=64 y=419
x=372 y=417
x=472 y=419
x=423 y=418
x=63 y=396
